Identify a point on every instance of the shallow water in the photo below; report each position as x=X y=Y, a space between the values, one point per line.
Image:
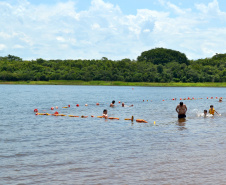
x=67 y=150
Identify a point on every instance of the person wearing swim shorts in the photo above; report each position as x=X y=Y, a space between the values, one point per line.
x=181 y=109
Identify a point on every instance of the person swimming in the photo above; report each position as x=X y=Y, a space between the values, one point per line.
x=112 y=103
x=123 y=105
x=205 y=113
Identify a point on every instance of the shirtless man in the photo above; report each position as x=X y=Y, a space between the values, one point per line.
x=112 y=103
x=181 y=109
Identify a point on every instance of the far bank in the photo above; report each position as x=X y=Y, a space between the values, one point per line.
x=115 y=83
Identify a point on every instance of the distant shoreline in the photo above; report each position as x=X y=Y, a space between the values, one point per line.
x=115 y=83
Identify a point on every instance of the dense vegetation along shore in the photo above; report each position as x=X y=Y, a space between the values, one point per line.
x=156 y=67
x=115 y=83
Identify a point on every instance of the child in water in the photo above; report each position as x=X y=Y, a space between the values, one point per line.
x=105 y=113
x=212 y=110
x=205 y=113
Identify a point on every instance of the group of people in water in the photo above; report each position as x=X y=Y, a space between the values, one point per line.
x=105 y=112
x=181 y=109
x=211 y=111
x=123 y=104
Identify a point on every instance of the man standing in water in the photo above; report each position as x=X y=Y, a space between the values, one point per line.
x=181 y=110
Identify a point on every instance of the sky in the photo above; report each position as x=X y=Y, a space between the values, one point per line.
x=115 y=29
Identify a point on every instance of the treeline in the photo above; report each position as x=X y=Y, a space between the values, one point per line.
x=156 y=65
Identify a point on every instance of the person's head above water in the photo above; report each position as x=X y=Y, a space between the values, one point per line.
x=113 y=102
x=211 y=106
x=181 y=103
x=205 y=111
x=105 y=111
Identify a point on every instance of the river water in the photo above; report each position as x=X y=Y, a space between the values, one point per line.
x=37 y=149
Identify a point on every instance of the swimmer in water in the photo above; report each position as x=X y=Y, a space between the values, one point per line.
x=105 y=114
x=123 y=105
x=220 y=99
x=212 y=110
x=112 y=103
x=181 y=109
x=205 y=113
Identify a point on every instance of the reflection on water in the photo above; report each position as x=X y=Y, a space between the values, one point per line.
x=181 y=123
x=75 y=150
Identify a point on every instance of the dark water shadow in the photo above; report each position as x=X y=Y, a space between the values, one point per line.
x=181 y=123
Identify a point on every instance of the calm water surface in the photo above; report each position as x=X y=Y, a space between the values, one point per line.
x=67 y=150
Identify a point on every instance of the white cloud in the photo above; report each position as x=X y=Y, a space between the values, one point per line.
x=146 y=30
x=211 y=10
x=59 y=31
x=2 y=46
x=95 y=26
x=61 y=39
x=17 y=46
x=176 y=9
x=4 y=35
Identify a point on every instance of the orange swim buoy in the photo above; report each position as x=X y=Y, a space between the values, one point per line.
x=35 y=110
x=113 y=118
x=130 y=118
x=141 y=121
x=60 y=114
x=84 y=116
x=97 y=104
x=47 y=114
x=73 y=116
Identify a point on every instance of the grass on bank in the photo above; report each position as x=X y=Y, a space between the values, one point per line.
x=115 y=83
